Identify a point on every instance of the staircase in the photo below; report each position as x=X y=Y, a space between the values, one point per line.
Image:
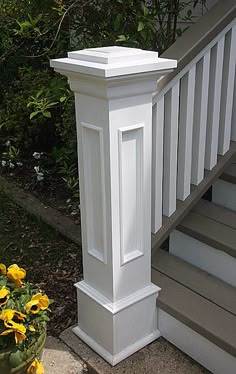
x=194 y=134
x=197 y=304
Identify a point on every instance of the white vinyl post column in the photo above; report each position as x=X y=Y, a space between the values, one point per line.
x=113 y=96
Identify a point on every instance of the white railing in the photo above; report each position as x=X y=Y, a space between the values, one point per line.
x=194 y=119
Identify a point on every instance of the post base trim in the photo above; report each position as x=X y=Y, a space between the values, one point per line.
x=115 y=359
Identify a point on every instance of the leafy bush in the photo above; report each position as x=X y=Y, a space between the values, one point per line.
x=37 y=107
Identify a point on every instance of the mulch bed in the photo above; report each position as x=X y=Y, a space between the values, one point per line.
x=51 y=261
x=51 y=192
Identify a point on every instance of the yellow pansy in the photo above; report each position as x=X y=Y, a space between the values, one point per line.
x=17 y=328
x=4 y=296
x=3 y=269
x=16 y=274
x=33 y=306
x=36 y=368
x=37 y=303
x=9 y=314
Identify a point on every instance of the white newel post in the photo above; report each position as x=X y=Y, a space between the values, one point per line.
x=113 y=96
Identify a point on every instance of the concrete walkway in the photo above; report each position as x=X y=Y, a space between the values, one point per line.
x=160 y=357
x=59 y=359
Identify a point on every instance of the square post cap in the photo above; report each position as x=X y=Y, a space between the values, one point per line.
x=110 y=62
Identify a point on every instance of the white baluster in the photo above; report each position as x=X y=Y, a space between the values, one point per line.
x=213 y=112
x=200 y=119
x=170 y=150
x=227 y=91
x=157 y=162
x=233 y=126
x=187 y=88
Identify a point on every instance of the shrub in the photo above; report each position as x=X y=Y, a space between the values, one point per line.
x=37 y=107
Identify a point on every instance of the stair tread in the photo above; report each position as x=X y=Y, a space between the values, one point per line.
x=229 y=174
x=199 y=281
x=210 y=231
x=170 y=223
x=216 y=212
x=198 y=313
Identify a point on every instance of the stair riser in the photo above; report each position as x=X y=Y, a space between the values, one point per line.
x=193 y=344
x=199 y=254
x=224 y=194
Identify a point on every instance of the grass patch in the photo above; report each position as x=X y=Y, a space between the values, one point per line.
x=51 y=261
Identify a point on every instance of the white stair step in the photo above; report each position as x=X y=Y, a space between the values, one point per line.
x=206 y=238
x=196 y=312
x=224 y=189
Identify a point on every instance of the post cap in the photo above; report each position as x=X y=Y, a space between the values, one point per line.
x=113 y=61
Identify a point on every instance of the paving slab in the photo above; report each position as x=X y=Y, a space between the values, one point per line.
x=59 y=359
x=159 y=357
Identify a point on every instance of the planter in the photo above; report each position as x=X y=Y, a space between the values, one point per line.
x=28 y=358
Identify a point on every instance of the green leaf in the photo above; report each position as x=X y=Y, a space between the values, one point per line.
x=140 y=26
x=33 y=114
x=49 y=105
x=62 y=99
x=15 y=359
x=47 y=114
x=145 y=11
x=121 y=38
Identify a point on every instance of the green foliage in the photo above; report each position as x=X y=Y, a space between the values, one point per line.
x=41 y=104
x=37 y=107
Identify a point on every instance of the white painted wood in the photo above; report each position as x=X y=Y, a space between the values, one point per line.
x=131 y=171
x=97 y=316
x=187 y=88
x=200 y=119
x=171 y=121
x=114 y=125
x=233 y=125
x=94 y=180
x=160 y=91
x=201 y=255
x=157 y=163
x=208 y=354
x=99 y=62
x=224 y=194
x=213 y=111
x=227 y=91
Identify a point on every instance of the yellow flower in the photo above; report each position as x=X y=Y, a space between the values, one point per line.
x=31 y=328
x=16 y=274
x=9 y=314
x=33 y=306
x=37 y=303
x=3 y=269
x=36 y=368
x=4 y=296
x=17 y=328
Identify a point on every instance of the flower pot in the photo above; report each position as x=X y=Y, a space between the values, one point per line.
x=28 y=358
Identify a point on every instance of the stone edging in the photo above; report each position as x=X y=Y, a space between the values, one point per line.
x=47 y=214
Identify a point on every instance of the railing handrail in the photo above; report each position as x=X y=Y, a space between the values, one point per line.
x=196 y=39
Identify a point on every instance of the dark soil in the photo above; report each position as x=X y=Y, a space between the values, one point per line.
x=51 y=261
x=52 y=192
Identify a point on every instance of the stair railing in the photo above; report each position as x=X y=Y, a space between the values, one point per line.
x=194 y=110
